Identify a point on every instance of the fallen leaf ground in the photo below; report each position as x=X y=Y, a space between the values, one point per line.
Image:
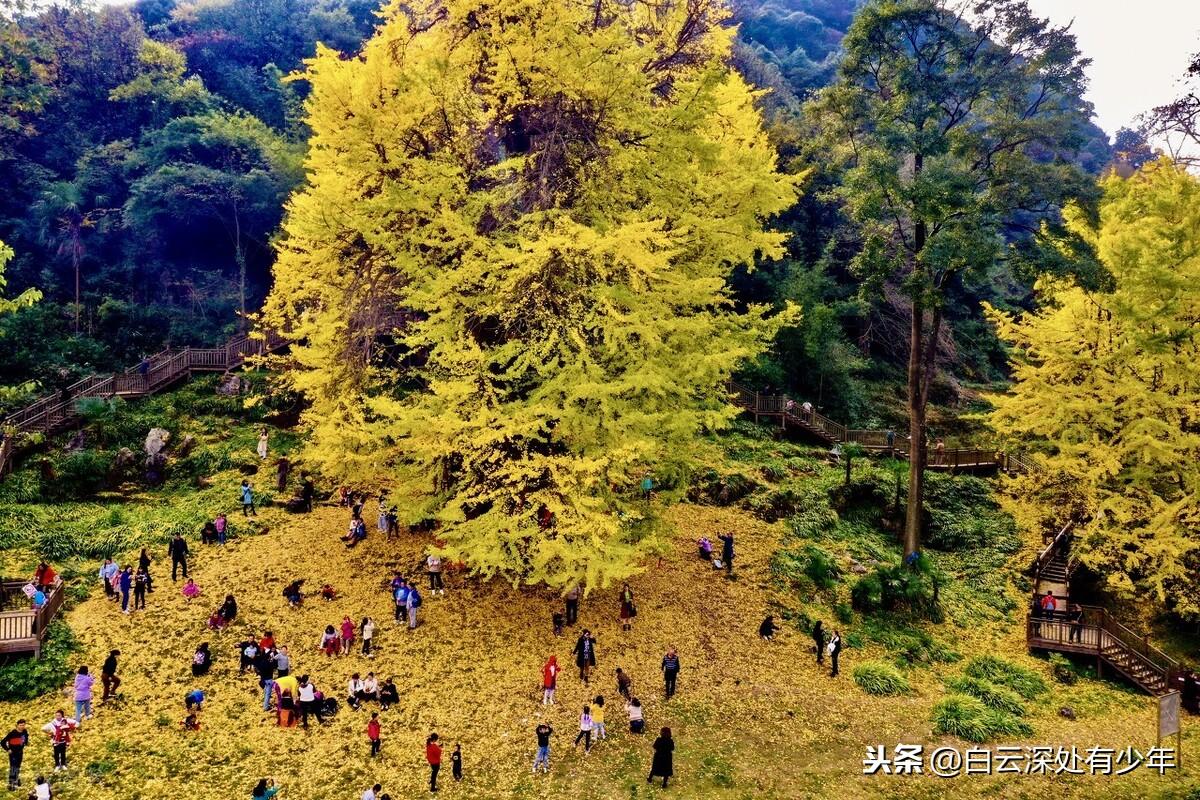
x=751 y=720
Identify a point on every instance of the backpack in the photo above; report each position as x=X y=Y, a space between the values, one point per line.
x=415 y=597
x=329 y=707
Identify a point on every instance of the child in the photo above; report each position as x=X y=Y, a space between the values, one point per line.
x=373 y=734
x=219 y=523
x=456 y=762
x=194 y=700
x=705 y=549
x=190 y=723
x=190 y=590
x=557 y=619
x=293 y=594
x=624 y=683
x=598 y=718
x=329 y=642
x=542 y=732
x=585 y=730
x=41 y=789
x=328 y=592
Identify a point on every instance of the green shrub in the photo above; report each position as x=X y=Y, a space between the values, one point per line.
x=881 y=678
x=913 y=646
x=844 y=613
x=717 y=770
x=992 y=696
x=27 y=678
x=1062 y=669
x=80 y=475
x=813 y=522
x=821 y=569
x=1024 y=682
x=22 y=486
x=970 y=719
x=895 y=587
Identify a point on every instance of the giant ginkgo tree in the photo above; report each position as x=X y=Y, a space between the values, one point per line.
x=506 y=278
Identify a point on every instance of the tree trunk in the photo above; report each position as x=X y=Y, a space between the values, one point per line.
x=916 y=432
x=847 y=469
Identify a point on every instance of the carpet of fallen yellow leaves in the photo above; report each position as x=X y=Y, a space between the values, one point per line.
x=751 y=719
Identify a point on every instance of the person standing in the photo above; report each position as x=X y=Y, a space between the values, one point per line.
x=835 y=647
x=283 y=468
x=108 y=676
x=262 y=444
x=549 y=680
x=144 y=562
x=248 y=500
x=456 y=762
x=628 y=609
x=307 y=492
x=347 y=637
x=83 y=694
x=308 y=702
x=140 y=581
x=433 y=754
x=543 y=732
x=572 y=598
x=400 y=595
x=178 y=550
x=107 y=571
x=60 y=729
x=585 y=730
x=220 y=523
x=585 y=655
x=818 y=636
x=412 y=604
x=373 y=734
x=125 y=582
x=1075 y=613
x=663 y=764
x=727 y=551
x=433 y=566
x=368 y=634
x=670 y=670
x=14 y=744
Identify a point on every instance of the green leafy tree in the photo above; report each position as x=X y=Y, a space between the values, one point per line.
x=949 y=120
x=506 y=282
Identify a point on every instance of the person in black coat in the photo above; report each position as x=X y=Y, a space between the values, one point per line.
x=178 y=550
x=818 y=635
x=767 y=629
x=585 y=654
x=664 y=758
x=727 y=551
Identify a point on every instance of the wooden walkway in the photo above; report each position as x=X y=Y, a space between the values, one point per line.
x=1090 y=631
x=60 y=410
x=23 y=628
x=789 y=414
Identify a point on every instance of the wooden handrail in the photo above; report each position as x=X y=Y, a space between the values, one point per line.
x=51 y=412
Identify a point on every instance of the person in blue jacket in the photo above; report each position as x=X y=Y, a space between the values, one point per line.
x=126 y=582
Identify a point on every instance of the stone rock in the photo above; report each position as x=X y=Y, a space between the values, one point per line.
x=77 y=442
x=156 y=441
x=124 y=459
x=156 y=467
x=1066 y=712
x=185 y=446
x=858 y=569
x=230 y=386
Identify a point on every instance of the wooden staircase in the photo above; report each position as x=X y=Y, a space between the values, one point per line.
x=60 y=410
x=790 y=414
x=1091 y=630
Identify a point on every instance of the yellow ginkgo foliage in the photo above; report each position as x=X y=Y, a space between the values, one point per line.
x=506 y=278
x=1111 y=380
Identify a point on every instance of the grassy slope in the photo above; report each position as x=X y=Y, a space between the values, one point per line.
x=752 y=719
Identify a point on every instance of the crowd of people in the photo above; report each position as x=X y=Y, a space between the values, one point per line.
x=295 y=699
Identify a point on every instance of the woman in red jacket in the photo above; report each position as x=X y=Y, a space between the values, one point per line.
x=433 y=754
x=549 y=680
